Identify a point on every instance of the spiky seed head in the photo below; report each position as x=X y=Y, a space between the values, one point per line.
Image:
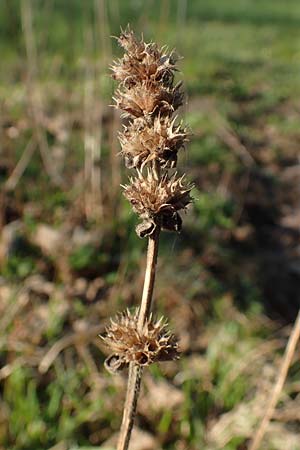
x=143 y=61
x=146 y=75
x=148 y=98
x=158 y=201
x=143 y=141
x=143 y=347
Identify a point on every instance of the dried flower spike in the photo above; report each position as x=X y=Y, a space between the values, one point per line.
x=146 y=77
x=150 y=143
x=158 y=201
x=146 y=98
x=143 y=62
x=145 y=141
x=143 y=347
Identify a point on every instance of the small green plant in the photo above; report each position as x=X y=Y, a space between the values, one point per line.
x=21 y=260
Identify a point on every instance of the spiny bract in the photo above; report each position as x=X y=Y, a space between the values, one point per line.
x=143 y=141
x=129 y=344
x=158 y=201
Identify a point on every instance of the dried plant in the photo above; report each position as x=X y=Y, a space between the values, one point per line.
x=143 y=346
x=150 y=143
x=157 y=201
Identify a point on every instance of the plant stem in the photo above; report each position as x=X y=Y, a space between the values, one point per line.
x=135 y=371
x=149 y=280
x=133 y=389
x=283 y=371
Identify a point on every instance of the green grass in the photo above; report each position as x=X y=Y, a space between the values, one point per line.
x=241 y=71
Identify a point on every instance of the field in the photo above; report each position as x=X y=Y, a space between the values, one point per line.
x=69 y=256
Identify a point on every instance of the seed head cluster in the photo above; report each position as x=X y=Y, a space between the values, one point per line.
x=129 y=344
x=144 y=141
x=157 y=201
x=145 y=63
x=150 y=142
x=152 y=136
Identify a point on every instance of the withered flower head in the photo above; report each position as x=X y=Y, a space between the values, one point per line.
x=149 y=98
x=157 y=202
x=143 y=141
x=143 y=347
x=146 y=76
x=143 y=61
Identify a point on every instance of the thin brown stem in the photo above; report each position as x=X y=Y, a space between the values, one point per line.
x=19 y=169
x=133 y=390
x=288 y=356
x=135 y=372
x=149 y=278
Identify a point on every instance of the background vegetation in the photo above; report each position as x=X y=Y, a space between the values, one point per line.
x=68 y=252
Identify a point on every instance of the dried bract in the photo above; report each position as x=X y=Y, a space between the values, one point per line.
x=146 y=76
x=143 y=61
x=143 y=347
x=143 y=141
x=158 y=201
x=148 y=98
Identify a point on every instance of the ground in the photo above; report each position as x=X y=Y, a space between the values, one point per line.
x=69 y=255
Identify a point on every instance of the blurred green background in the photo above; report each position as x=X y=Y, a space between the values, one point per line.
x=69 y=255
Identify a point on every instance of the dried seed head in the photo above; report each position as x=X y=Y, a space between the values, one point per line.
x=148 y=98
x=158 y=201
x=146 y=76
x=143 y=62
x=143 y=141
x=128 y=344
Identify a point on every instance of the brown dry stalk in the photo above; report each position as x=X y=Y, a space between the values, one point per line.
x=92 y=138
x=34 y=93
x=133 y=390
x=19 y=169
x=135 y=371
x=152 y=253
x=71 y=339
x=286 y=362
